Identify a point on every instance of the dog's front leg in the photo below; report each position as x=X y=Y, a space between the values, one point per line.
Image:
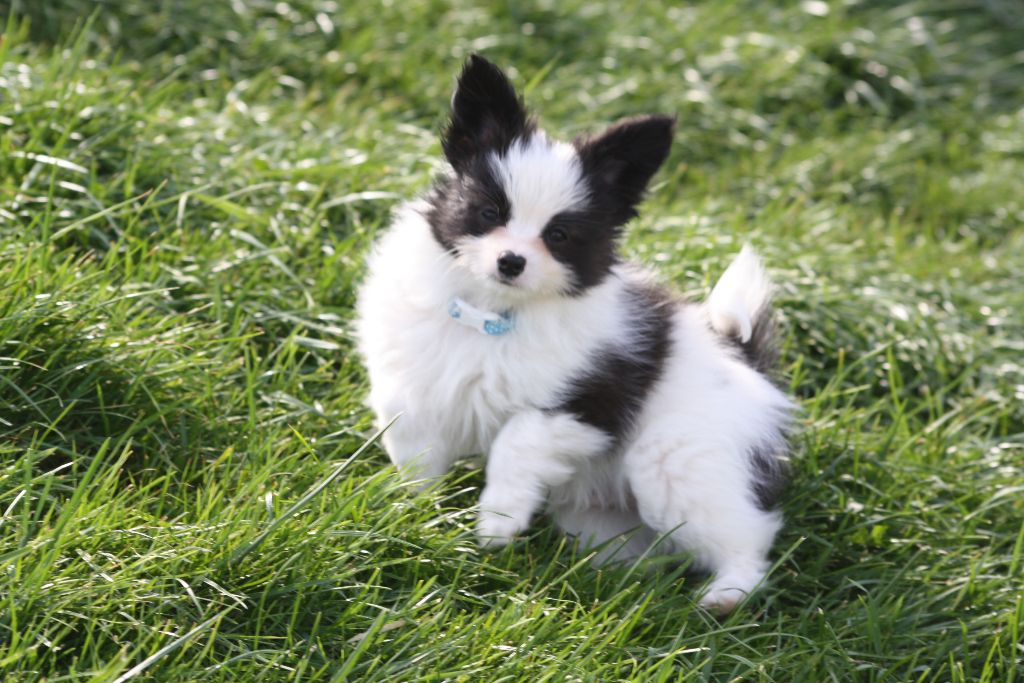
x=533 y=452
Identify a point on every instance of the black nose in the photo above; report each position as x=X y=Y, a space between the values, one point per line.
x=510 y=264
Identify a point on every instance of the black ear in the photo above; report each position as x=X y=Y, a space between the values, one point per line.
x=620 y=161
x=486 y=114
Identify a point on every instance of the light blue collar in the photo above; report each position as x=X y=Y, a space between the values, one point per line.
x=484 y=322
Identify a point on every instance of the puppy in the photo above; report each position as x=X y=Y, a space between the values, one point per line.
x=497 y=318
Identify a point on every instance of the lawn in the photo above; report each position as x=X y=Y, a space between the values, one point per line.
x=188 y=484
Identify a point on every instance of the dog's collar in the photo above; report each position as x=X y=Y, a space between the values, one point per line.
x=484 y=322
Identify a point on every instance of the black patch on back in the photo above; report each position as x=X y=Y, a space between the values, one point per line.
x=611 y=393
x=770 y=475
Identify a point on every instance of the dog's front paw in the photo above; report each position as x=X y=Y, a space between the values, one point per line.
x=497 y=525
x=494 y=530
x=722 y=600
x=725 y=592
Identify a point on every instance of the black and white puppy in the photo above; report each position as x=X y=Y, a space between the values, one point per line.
x=497 y=318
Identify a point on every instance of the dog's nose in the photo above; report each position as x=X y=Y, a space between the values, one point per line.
x=510 y=264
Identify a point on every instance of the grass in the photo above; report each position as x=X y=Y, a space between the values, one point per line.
x=188 y=488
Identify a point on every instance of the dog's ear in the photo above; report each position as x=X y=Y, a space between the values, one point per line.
x=486 y=114
x=620 y=161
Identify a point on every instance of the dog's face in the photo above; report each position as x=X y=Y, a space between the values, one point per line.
x=526 y=216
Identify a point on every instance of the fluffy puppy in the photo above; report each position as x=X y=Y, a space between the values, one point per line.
x=498 y=319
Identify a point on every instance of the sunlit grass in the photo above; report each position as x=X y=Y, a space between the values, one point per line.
x=187 y=191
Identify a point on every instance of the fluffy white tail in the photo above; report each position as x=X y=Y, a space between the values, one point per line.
x=739 y=307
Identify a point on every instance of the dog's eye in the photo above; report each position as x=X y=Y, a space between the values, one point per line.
x=555 y=235
x=490 y=214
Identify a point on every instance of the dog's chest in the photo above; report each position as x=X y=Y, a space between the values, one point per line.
x=469 y=384
x=493 y=375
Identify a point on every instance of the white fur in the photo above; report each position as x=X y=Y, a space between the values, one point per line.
x=742 y=291
x=540 y=178
x=684 y=473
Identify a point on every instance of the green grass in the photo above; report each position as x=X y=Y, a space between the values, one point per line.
x=187 y=190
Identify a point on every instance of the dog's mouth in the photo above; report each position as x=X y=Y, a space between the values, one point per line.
x=507 y=281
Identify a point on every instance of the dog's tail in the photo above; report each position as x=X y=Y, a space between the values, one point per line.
x=740 y=309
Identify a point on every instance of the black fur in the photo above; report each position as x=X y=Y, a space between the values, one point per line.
x=487 y=115
x=590 y=247
x=761 y=351
x=611 y=394
x=770 y=475
x=619 y=163
x=457 y=201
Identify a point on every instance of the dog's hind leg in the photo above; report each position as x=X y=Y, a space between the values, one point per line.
x=699 y=494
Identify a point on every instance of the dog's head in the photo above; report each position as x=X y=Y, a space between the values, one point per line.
x=524 y=215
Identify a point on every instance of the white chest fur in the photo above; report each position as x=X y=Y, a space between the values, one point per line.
x=460 y=385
